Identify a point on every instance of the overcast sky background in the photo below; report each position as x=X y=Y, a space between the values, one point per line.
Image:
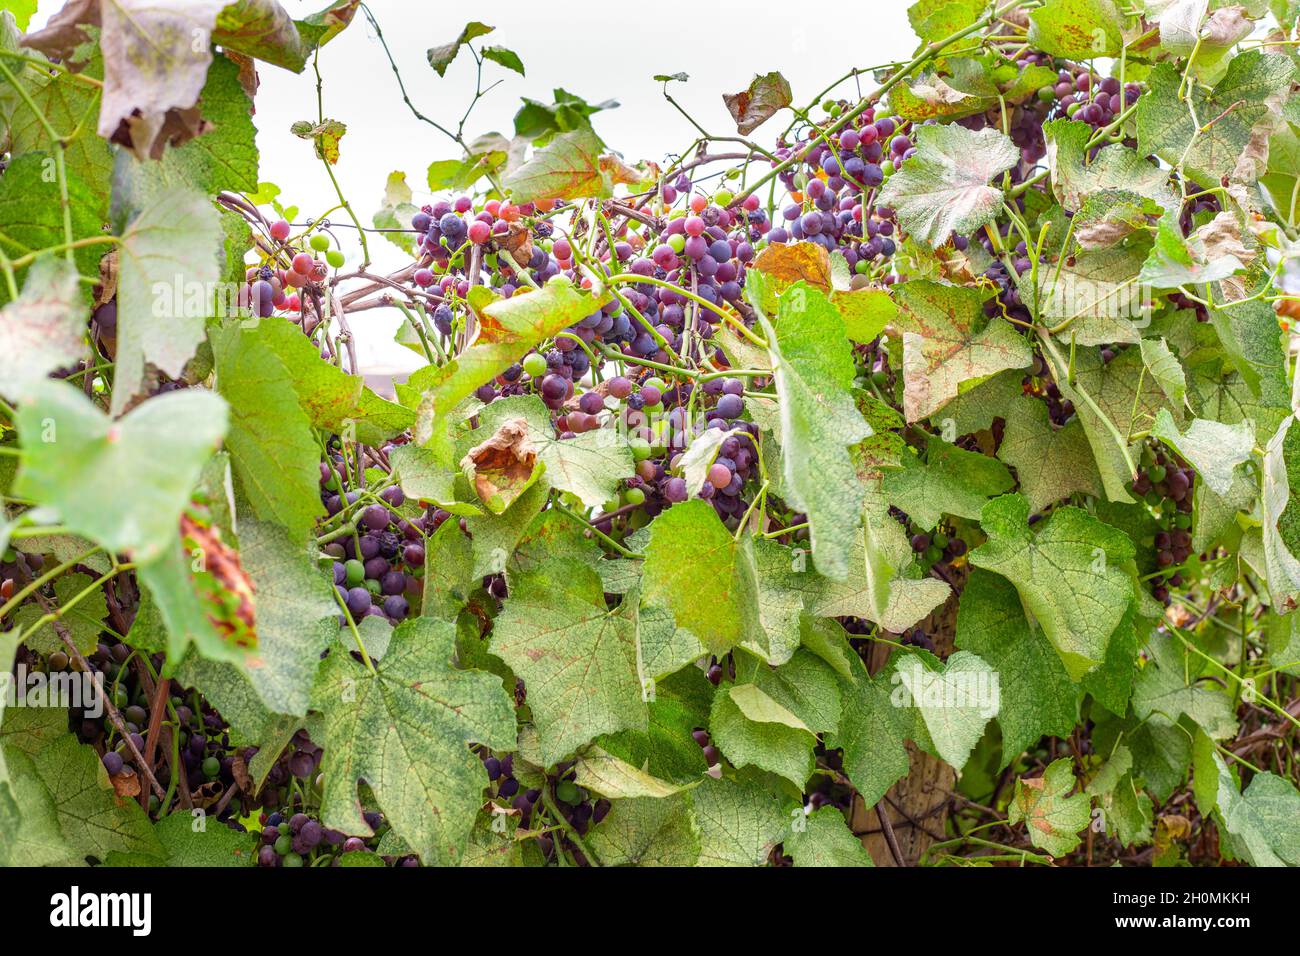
x=594 y=48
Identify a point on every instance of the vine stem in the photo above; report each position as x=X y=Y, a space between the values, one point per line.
x=563 y=821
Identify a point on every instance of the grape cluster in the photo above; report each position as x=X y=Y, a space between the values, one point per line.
x=1165 y=485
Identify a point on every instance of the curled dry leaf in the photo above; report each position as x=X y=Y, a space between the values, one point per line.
x=126 y=783
x=753 y=107
x=501 y=468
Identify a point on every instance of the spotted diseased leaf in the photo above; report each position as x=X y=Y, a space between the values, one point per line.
x=85 y=465
x=813 y=367
x=154 y=68
x=865 y=311
x=405 y=730
x=1077 y=29
x=573 y=165
x=1050 y=463
x=766 y=96
x=262 y=29
x=1078 y=174
x=935 y=19
x=872 y=733
x=948 y=341
x=324 y=135
x=578 y=661
x=1037 y=697
x=1052 y=819
x=1239 y=101
x=944 y=188
x=647 y=831
x=43 y=329
x=503 y=466
x=1069 y=571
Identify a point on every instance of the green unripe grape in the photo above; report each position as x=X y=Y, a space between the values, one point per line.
x=880 y=379
x=535 y=365
x=933 y=554
x=1158 y=474
x=887 y=168
x=285 y=830
x=732 y=173
x=939 y=539
x=861 y=267
x=1182 y=520
x=677 y=242
x=335 y=258
x=372 y=586
x=1046 y=94
x=211 y=767
x=723 y=197
x=1073 y=108
x=355 y=571
x=566 y=791
x=1153 y=498
x=283 y=844
x=634 y=496
x=655 y=382
x=640 y=448
x=319 y=241
x=293 y=860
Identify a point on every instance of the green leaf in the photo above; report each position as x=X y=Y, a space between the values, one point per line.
x=884 y=585
x=813 y=364
x=1169 y=687
x=1166 y=125
x=646 y=831
x=943 y=189
x=824 y=839
x=871 y=734
x=953 y=700
x=272 y=450
x=537 y=121
x=739 y=821
x=1069 y=572
x=404 y=730
x=1050 y=463
x=396 y=212
x=507 y=58
x=719 y=607
x=951 y=481
x=616 y=779
x=947 y=341
x=591 y=465
x=22 y=11
x=1165 y=368
x=749 y=727
x=1126 y=812
x=1052 y=819
x=43 y=329
x=1212 y=448
x=569 y=167
x=579 y=661
x=936 y=19
x=215 y=845
x=1260 y=820
x=766 y=96
x=1037 y=697
x=84 y=621
x=1113 y=169
x=170 y=249
x=86 y=466
x=440 y=57
x=1077 y=29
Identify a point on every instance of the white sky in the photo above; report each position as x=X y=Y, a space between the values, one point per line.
x=594 y=48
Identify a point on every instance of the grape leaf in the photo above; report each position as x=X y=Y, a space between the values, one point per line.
x=766 y=96
x=865 y=311
x=1209 y=143
x=87 y=467
x=884 y=586
x=739 y=821
x=1168 y=688
x=591 y=465
x=871 y=734
x=1050 y=463
x=951 y=701
x=616 y=779
x=169 y=250
x=1053 y=820
x=1037 y=696
x=1126 y=812
x=1077 y=29
x=1114 y=168
x=1069 y=572
x=441 y=57
x=951 y=481
x=943 y=189
x=646 y=831
x=1212 y=448
x=396 y=212
x=947 y=341
x=936 y=19
x=84 y=621
x=578 y=660
x=41 y=330
x=752 y=729
x=813 y=365
x=1260 y=820
x=215 y=845
x=824 y=839
x=404 y=730
x=571 y=166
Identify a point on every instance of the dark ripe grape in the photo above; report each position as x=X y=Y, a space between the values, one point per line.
x=719 y=475
x=354 y=845
x=302 y=764
x=57 y=661
x=394 y=582
x=493 y=767
x=591 y=403
x=375 y=517
x=712 y=755
x=311 y=833
x=396 y=606
x=267 y=856
x=358 y=602
x=1164 y=559
x=675 y=490
x=730 y=406
x=714 y=674
x=393 y=495
x=619 y=387
x=701 y=737
x=340 y=573
x=509 y=787
x=920 y=542
x=554 y=388
x=413 y=555
x=136 y=714
x=112 y=763
x=297 y=822
x=376 y=568
x=270 y=834
x=1178 y=484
